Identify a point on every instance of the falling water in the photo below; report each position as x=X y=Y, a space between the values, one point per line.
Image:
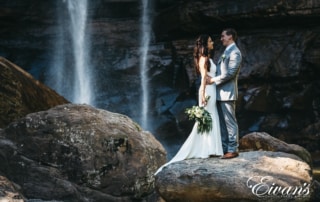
x=78 y=15
x=71 y=76
x=144 y=45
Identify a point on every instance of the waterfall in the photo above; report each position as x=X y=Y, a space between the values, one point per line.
x=144 y=47
x=70 y=74
x=81 y=83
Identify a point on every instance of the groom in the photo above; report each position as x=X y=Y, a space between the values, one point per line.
x=228 y=68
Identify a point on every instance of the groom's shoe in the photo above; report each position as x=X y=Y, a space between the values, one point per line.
x=230 y=155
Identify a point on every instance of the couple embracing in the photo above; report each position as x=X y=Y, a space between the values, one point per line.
x=220 y=83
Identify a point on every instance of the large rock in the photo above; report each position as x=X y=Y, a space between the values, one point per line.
x=80 y=153
x=21 y=94
x=263 y=141
x=9 y=192
x=253 y=176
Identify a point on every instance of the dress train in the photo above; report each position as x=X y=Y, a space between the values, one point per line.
x=206 y=144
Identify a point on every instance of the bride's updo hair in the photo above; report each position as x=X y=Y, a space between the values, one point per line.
x=201 y=49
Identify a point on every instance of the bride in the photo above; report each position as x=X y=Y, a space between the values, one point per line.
x=206 y=144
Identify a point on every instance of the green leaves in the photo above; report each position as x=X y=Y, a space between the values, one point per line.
x=202 y=117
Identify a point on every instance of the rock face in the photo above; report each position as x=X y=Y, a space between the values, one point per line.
x=80 y=153
x=278 y=83
x=253 y=176
x=21 y=94
x=179 y=18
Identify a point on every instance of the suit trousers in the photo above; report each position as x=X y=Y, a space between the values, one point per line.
x=228 y=125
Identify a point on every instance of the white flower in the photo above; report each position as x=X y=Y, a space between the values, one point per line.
x=223 y=57
x=201 y=116
x=198 y=113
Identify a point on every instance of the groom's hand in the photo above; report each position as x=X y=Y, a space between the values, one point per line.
x=209 y=80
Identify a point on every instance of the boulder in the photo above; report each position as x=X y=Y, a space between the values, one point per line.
x=253 y=176
x=80 y=153
x=9 y=192
x=263 y=141
x=21 y=94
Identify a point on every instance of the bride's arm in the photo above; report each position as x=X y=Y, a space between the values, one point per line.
x=203 y=72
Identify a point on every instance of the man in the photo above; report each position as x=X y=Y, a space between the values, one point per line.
x=228 y=68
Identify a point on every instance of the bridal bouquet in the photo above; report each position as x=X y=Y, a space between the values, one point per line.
x=201 y=116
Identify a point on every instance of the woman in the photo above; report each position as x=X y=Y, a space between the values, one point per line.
x=206 y=144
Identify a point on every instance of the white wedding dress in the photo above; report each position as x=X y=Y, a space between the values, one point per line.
x=206 y=144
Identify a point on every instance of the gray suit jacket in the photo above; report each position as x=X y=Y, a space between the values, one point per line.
x=226 y=78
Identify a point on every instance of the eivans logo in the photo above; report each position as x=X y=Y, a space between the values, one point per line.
x=264 y=186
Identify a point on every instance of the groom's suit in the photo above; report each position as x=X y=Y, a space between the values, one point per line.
x=228 y=68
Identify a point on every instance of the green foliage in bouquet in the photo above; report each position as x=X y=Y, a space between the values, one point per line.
x=202 y=117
